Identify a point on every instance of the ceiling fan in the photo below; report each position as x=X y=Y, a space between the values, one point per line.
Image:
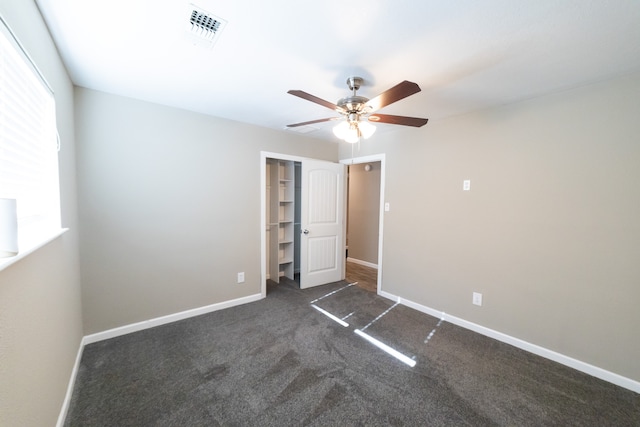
x=359 y=111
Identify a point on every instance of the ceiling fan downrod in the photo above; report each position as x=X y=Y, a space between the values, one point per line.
x=354 y=103
x=354 y=83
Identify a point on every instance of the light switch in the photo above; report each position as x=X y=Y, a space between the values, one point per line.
x=387 y=207
x=466 y=185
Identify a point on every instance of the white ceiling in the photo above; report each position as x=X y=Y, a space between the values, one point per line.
x=464 y=54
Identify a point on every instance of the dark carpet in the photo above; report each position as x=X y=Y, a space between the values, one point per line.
x=281 y=362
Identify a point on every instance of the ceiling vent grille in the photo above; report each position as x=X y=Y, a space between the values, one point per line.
x=302 y=129
x=204 y=28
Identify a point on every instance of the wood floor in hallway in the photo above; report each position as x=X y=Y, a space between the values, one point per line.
x=367 y=277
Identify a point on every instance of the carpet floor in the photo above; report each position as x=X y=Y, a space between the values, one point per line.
x=282 y=362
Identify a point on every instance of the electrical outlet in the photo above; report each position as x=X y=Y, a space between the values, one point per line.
x=466 y=185
x=477 y=298
x=241 y=277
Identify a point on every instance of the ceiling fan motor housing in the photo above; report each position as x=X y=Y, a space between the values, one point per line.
x=354 y=83
x=353 y=104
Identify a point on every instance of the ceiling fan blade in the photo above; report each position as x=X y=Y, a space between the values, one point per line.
x=312 y=122
x=398 y=120
x=312 y=98
x=396 y=93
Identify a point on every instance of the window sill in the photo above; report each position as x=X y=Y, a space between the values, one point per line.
x=31 y=247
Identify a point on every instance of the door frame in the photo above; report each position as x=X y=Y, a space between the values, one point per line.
x=264 y=155
x=368 y=159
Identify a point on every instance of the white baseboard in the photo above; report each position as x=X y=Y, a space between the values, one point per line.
x=72 y=381
x=524 y=345
x=365 y=263
x=146 y=324
x=135 y=327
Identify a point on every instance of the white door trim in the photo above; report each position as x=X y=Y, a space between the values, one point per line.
x=366 y=159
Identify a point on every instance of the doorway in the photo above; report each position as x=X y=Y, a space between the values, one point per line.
x=365 y=215
x=363 y=219
x=302 y=229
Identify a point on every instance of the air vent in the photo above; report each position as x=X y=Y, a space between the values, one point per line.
x=204 y=28
x=302 y=129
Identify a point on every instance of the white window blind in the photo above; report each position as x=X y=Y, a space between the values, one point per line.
x=28 y=141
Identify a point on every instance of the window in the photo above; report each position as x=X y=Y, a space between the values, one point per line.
x=28 y=143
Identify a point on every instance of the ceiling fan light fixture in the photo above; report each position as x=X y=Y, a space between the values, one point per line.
x=353 y=134
x=351 y=131
x=367 y=129
x=347 y=131
x=341 y=129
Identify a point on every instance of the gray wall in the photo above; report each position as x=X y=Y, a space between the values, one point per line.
x=549 y=232
x=40 y=314
x=169 y=206
x=364 y=212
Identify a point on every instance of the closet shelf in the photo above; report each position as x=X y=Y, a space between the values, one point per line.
x=283 y=205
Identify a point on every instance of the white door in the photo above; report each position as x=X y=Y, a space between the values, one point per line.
x=322 y=250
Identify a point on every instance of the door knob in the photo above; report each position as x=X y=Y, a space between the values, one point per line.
x=305 y=231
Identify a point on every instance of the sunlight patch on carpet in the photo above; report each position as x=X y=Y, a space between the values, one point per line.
x=389 y=350
x=331 y=316
x=334 y=292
